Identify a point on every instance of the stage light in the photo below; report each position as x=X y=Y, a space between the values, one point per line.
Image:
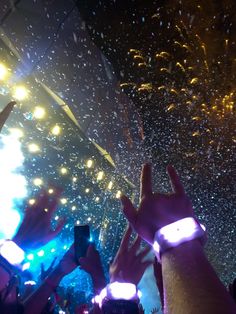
x=63 y=201
x=87 y=190
x=56 y=130
x=20 y=93
x=63 y=170
x=56 y=218
x=73 y=207
x=17 y=133
x=110 y=185
x=39 y=113
x=46 y=210
x=33 y=148
x=89 y=219
x=53 y=250
x=26 y=266
x=97 y=199
x=64 y=247
x=3 y=72
x=77 y=222
x=32 y=201
x=50 y=191
x=74 y=179
x=89 y=163
x=40 y=253
x=118 y=194
x=100 y=175
x=38 y=181
x=30 y=257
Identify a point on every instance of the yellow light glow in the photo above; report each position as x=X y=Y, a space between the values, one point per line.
x=63 y=170
x=18 y=133
x=38 y=181
x=100 y=175
x=87 y=190
x=74 y=179
x=33 y=148
x=118 y=194
x=3 y=72
x=63 y=201
x=89 y=163
x=32 y=201
x=46 y=210
x=50 y=191
x=20 y=93
x=73 y=207
x=56 y=130
x=97 y=199
x=110 y=185
x=39 y=112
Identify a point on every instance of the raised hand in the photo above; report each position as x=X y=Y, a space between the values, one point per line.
x=92 y=264
x=128 y=265
x=35 y=229
x=5 y=113
x=45 y=272
x=68 y=263
x=157 y=210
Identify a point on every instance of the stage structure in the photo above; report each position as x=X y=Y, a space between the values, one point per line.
x=57 y=151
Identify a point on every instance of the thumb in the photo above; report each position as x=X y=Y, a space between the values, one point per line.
x=128 y=209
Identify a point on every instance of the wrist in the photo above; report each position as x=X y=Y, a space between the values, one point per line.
x=118 y=291
x=177 y=233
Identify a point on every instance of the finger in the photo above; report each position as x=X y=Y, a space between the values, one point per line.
x=5 y=113
x=176 y=184
x=144 y=253
x=135 y=246
x=124 y=245
x=128 y=209
x=58 y=229
x=146 y=180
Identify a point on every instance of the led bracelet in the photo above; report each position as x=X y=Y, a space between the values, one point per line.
x=118 y=291
x=176 y=233
x=11 y=252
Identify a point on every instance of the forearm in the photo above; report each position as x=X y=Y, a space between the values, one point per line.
x=99 y=282
x=38 y=300
x=190 y=283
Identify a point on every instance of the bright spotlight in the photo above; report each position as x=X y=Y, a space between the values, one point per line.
x=100 y=175
x=39 y=113
x=40 y=253
x=38 y=181
x=118 y=194
x=63 y=170
x=30 y=257
x=89 y=163
x=17 y=133
x=56 y=130
x=3 y=72
x=63 y=201
x=110 y=185
x=33 y=148
x=87 y=190
x=20 y=93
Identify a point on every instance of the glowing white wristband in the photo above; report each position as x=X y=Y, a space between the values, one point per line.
x=11 y=252
x=176 y=233
x=118 y=291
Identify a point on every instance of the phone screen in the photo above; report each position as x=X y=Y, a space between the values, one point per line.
x=81 y=240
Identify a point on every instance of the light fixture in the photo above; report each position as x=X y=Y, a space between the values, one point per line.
x=32 y=201
x=118 y=194
x=63 y=201
x=56 y=130
x=74 y=179
x=73 y=207
x=38 y=181
x=110 y=185
x=89 y=163
x=63 y=170
x=100 y=175
x=20 y=93
x=39 y=113
x=87 y=190
x=17 y=133
x=3 y=72
x=50 y=191
x=33 y=148
x=97 y=199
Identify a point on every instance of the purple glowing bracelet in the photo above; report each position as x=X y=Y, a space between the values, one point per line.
x=176 y=233
x=118 y=291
